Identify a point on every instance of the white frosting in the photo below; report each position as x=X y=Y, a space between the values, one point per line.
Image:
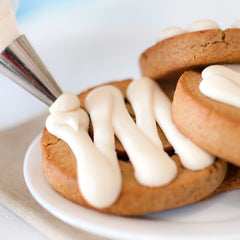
x=222 y=83
x=236 y=24
x=99 y=177
x=156 y=105
x=106 y=106
x=170 y=32
x=65 y=103
x=8 y=26
x=98 y=171
x=204 y=24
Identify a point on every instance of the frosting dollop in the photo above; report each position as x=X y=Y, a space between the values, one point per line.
x=65 y=103
x=222 y=83
x=170 y=32
x=236 y=24
x=204 y=24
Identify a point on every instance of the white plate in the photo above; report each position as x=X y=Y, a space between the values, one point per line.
x=218 y=217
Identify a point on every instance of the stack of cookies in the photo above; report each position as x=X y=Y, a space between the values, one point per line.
x=163 y=141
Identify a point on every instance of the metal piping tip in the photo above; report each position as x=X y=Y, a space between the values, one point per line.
x=21 y=63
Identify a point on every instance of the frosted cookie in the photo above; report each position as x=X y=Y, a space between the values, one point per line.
x=206 y=109
x=203 y=43
x=132 y=175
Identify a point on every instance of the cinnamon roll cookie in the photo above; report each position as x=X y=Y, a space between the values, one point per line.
x=115 y=149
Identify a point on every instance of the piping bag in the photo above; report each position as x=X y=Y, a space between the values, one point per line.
x=20 y=62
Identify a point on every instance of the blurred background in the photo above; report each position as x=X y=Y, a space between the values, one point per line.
x=88 y=42
x=29 y=6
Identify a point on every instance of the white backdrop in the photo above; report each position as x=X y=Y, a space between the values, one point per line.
x=87 y=43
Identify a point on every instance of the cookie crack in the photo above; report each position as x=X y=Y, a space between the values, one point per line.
x=223 y=41
x=224 y=37
x=52 y=143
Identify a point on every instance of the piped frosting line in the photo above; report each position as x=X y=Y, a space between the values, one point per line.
x=145 y=95
x=152 y=166
x=99 y=180
x=222 y=83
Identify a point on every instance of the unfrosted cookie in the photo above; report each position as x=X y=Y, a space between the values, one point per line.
x=170 y=57
x=188 y=186
x=213 y=125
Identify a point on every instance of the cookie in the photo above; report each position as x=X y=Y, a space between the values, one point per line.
x=171 y=57
x=213 y=125
x=188 y=186
x=231 y=180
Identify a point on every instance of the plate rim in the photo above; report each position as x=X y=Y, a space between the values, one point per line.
x=90 y=222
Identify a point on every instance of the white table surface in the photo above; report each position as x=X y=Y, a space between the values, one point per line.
x=91 y=43
x=13 y=227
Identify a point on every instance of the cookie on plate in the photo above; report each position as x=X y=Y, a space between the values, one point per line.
x=186 y=186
